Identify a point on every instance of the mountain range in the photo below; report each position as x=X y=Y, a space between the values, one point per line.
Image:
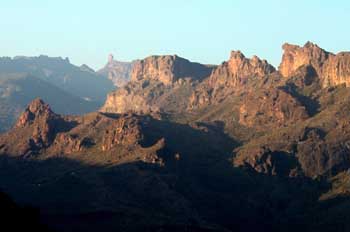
x=239 y=146
x=69 y=89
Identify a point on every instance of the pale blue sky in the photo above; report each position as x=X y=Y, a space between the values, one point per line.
x=199 y=30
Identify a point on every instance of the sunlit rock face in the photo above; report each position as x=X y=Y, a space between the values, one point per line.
x=156 y=80
x=237 y=69
x=331 y=69
x=167 y=69
x=228 y=78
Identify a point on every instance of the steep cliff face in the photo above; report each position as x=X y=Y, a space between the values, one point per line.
x=295 y=56
x=168 y=69
x=158 y=83
x=331 y=69
x=123 y=101
x=336 y=70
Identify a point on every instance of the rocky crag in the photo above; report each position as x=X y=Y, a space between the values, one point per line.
x=117 y=71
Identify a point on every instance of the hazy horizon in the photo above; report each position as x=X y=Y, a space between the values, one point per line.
x=202 y=32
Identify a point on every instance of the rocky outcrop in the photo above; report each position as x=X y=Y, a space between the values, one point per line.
x=158 y=83
x=70 y=143
x=228 y=78
x=43 y=122
x=300 y=149
x=36 y=129
x=40 y=131
x=97 y=131
x=117 y=71
x=295 y=56
x=127 y=99
x=125 y=131
x=168 y=69
x=271 y=107
x=266 y=161
x=336 y=70
x=36 y=110
x=238 y=69
x=331 y=69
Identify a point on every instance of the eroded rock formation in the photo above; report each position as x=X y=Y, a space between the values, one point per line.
x=168 y=69
x=39 y=131
x=332 y=69
x=155 y=81
x=228 y=78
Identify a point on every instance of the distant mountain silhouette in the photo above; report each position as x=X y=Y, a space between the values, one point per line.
x=117 y=71
x=68 y=89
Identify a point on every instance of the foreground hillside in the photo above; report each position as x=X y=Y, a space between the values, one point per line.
x=241 y=146
x=126 y=167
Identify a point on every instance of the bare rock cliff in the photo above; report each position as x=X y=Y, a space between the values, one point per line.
x=155 y=81
x=331 y=69
x=168 y=69
x=229 y=77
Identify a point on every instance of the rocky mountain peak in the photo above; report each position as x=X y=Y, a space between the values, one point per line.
x=243 y=67
x=37 y=108
x=168 y=69
x=117 y=71
x=41 y=130
x=237 y=55
x=38 y=126
x=310 y=44
x=295 y=56
x=110 y=58
x=331 y=69
x=238 y=69
x=230 y=77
